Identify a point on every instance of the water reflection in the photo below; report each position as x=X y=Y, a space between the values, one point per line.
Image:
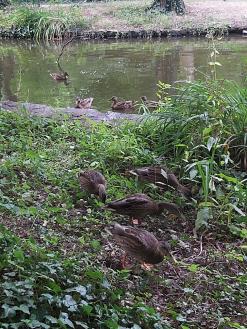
x=128 y=69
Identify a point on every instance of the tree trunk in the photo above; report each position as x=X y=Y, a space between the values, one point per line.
x=170 y=5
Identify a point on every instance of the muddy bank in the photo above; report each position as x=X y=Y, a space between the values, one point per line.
x=15 y=33
x=73 y=113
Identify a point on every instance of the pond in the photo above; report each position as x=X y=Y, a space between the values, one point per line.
x=128 y=69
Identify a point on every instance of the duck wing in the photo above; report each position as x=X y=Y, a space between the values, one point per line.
x=135 y=200
x=139 y=243
x=89 y=180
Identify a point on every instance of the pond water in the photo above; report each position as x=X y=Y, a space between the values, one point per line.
x=128 y=69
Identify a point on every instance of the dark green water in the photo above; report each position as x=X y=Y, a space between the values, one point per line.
x=128 y=69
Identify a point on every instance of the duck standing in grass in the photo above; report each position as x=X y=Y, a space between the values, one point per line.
x=60 y=76
x=85 y=103
x=93 y=182
x=121 y=105
x=161 y=176
x=137 y=206
x=139 y=244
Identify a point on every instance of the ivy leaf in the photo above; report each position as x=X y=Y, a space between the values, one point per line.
x=9 y=311
x=69 y=302
x=64 y=319
x=24 y=308
x=51 y=319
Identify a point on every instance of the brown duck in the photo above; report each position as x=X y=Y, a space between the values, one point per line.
x=161 y=176
x=84 y=103
x=152 y=105
x=93 y=182
x=121 y=105
x=60 y=76
x=137 y=206
x=139 y=244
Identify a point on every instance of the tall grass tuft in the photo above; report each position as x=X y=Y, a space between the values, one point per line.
x=45 y=24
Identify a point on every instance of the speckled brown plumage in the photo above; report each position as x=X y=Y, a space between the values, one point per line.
x=120 y=105
x=140 y=244
x=85 y=103
x=59 y=76
x=93 y=182
x=161 y=176
x=140 y=205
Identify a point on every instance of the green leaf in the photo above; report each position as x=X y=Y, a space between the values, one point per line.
x=24 y=308
x=51 y=319
x=87 y=309
x=211 y=141
x=111 y=324
x=203 y=217
x=64 y=319
x=9 y=311
x=95 y=244
x=229 y=179
x=69 y=302
x=82 y=324
x=193 y=268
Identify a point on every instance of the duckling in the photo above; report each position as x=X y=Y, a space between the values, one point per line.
x=140 y=244
x=137 y=206
x=161 y=176
x=93 y=182
x=84 y=103
x=121 y=105
x=59 y=76
x=152 y=105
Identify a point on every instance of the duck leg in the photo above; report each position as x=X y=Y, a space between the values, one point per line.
x=123 y=260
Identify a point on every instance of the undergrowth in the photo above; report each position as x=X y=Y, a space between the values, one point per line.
x=44 y=23
x=58 y=269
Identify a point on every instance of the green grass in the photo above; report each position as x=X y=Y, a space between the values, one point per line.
x=44 y=23
x=59 y=269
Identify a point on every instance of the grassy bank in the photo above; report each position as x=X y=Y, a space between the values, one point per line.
x=53 y=21
x=59 y=269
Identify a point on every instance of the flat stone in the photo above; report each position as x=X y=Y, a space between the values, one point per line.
x=73 y=113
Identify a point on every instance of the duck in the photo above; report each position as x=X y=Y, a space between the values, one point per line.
x=84 y=103
x=161 y=176
x=93 y=182
x=121 y=105
x=139 y=244
x=149 y=104
x=137 y=206
x=60 y=76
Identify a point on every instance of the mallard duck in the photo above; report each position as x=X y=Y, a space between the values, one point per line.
x=149 y=104
x=140 y=244
x=59 y=76
x=161 y=176
x=84 y=103
x=137 y=206
x=121 y=105
x=93 y=182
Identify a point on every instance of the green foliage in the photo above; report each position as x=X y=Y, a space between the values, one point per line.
x=40 y=290
x=44 y=24
x=203 y=126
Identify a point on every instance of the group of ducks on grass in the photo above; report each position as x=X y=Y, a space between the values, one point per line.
x=136 y=242
x=117 y=104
